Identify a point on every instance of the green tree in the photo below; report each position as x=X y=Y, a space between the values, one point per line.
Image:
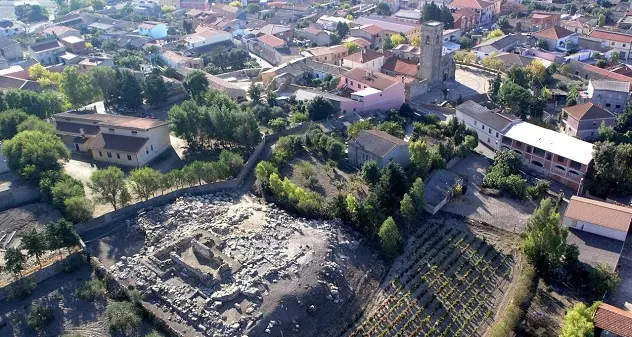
x=544 y=243
x=263 y=170
x=65 y=188
x=154 y=89
x=61 y=234
x=370 y=172
x=145 y=182
x=420 y=157
x=494 y=88
x=354 y=129
x=14 y=261
x=465 y=42
x=603 y=280
x=77 y=87
x=108 y=184
x=571 y=97
x=382 y=9
x=494 y=34
x=30 y=153
x=601 y=20
x=406 y=208
x=39 y=316
x=352 y=47
x=392 y=128
x=578 y=322
x=78 y=209
x=446 y=17
x=254 y=93
x=397 y=39
x=128 y=90
x=277 y=124
x=9 y=121
x=514 y=98
x=195 y=83
x=32 y=123
x=271 y=98
x=320 y=108
x=342 y=29
x=104 y=78
x=122 y=318
x=390 y=237
x=253 y=9
x=35 y=244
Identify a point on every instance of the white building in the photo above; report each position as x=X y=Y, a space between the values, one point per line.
x=156 y=30
x=489 y=126
x=116 y=139
x=10 y=28
x=364 y=59
x=205 y=36
x=597 y=217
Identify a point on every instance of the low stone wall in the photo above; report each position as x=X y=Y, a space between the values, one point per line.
x=39 y=275
x=17 y=195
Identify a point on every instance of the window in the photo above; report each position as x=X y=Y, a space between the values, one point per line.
x=346 y=80
x=529 y=148
x=483 y=127
x=496 y=134
x=538 y=152
x=475 y=122
x=575 y=165
x=118 y=156
x=111 y=129
x=608 y=105
x=490 y=131
x=109 y=154
x=594 y=123
x=617 y=106
x=134 y=132
x=560 y=168
x=152 y=147
x=100 y=154
x=573 y=173
x=560 y=159
x=146 y=151
x=351 y=82
x=129 y=157
x=537 y=163
x=518 y=144
x=548 y=156
x=359 y=86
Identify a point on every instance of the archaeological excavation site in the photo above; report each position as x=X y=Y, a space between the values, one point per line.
x=222 y=265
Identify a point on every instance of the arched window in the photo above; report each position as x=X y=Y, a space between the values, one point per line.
x=573 y=173
x=560 y=167
x=537 y=163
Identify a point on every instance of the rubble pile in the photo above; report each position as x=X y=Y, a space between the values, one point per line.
x=264 y=247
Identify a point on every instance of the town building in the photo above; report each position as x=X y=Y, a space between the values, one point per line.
x=315 y=35
x=155 y=30
x=598 y=217
x=93 y=61
x=377 y=91
x=73 y=44
x=611 y=321
x=611 y=95
x=205 y=36
x=228 y=11
x=589 y=71
x=544 y=20
x=194 y=4
x=115 y=139
x=466 y=19
x=372 y=33
x=333 y=54
x=279 y=31
x=361 y=42
x=364 y=59
x=176 y=61
x=498 y=45
x=576 y=26
x=484 y=9
x=550 y=154
x=147 y=8
x=408 y=15
x=621 y=42
x=60 y=32
x=391 y=26
x=440 y=189
x=378 y=146
x=583 y=120
x=46 y=52
x=330 y=23
x=557 y=38
x=9 y=28
x=489 y=126
x=10 y=49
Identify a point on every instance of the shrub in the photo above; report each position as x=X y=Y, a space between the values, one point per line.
x=287 y=148
x=603 y=280
x=91 y=290
x=306 y=203
x=514 y=311
x=39 y=316
x=78 y=209
x=390 y=237
x=579 y=321
x=22 y=288
x=72 y=263
x=122 y=318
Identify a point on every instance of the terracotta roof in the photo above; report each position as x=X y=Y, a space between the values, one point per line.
x=606 y=73
x=553 y=33
x=476 y=4
x=400 y=66
x=111 y=120
x=372 y=79
x=108 y=141
x=467 y=12
x=358 y=40
x=614 y=320
x=371 y=29
x=319 y=51
x=58 y=30
x=274 y=29
x=588 y=111
x=194 y=12
x=378 y=142
x=271 y=41
x=313 y=30
x=364 y=56
x=599 y=213
x=610 y=36
x=43 y=46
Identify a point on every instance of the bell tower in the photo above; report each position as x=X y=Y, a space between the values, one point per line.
x=431 y=50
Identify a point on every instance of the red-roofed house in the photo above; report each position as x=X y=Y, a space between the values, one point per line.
x=466 y=19
x=612 y=322
x=195 y=4
x=485 y=9
x=544 y=20
x=397 y=67
x=556 y=37
x=205 y=36
x=377 y=91
x=364 y=59
x=371 y=33
x=615 y=40
x=315 y=35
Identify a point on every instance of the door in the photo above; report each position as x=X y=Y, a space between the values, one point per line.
x=77 y=147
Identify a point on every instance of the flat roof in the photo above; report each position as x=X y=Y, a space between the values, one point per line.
x=551 y=141
x=366 y=92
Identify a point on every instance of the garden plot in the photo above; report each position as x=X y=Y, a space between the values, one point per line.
x=448 y=282
x=220 y=265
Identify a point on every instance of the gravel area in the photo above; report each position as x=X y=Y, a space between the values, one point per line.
x=505 y=213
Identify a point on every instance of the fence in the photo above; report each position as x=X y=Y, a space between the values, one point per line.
x=125 y=212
